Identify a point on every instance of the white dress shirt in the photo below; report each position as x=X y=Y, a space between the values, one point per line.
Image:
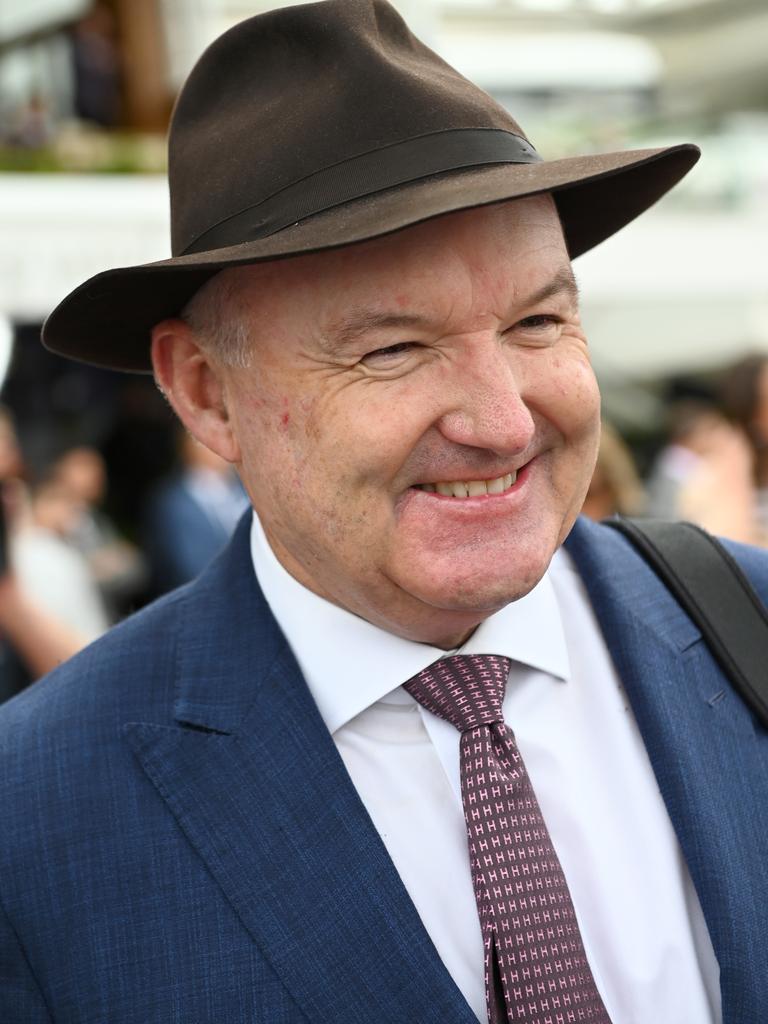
x=640 y=918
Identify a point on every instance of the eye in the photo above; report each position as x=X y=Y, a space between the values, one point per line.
x=387 y=355
x=539 y=321
x=537 y=330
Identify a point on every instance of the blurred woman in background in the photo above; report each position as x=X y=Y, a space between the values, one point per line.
x=49 y=606
x=615 y=485
x=744 y=398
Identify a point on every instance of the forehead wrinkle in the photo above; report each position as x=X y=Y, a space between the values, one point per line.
x=344 y=332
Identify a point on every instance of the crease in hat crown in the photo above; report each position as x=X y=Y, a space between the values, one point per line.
x=324 y=125
x=352 y=65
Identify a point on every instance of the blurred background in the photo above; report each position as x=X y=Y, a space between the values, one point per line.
x=676 y=306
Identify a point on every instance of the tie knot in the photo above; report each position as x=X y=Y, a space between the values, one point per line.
x=466 y=690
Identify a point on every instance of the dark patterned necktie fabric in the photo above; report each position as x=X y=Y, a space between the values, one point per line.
x=536 y=969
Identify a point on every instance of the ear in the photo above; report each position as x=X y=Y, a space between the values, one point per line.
x=194 y=386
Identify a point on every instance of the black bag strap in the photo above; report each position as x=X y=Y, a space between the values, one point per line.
x=711 y=587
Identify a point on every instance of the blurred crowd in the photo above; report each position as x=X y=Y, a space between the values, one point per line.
x=712 y=468
x=67 y=573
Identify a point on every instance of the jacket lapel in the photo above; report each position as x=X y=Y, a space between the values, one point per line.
x=704 y=749
x=253 y=778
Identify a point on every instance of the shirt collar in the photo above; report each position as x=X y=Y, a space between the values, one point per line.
x=349 y=663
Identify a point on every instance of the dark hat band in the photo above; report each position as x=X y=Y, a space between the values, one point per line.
x=365 y=175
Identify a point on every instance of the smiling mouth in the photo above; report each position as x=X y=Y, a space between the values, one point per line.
x=470 y=488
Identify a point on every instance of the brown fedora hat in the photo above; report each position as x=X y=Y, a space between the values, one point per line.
x=323 y=125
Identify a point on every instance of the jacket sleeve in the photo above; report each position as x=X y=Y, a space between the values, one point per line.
x=20 y=996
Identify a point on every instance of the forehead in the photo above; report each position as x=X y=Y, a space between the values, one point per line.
x=507 y=245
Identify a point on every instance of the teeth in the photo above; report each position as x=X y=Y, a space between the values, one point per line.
x=472 y=488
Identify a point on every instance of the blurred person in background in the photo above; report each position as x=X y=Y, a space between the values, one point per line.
x=615 y=486
x=704 y=474
x=51 y=568
x=49 y=609
x=191 y=515
x=96 y=63
x=744 y=398
x=116 y=566
x=11 y=461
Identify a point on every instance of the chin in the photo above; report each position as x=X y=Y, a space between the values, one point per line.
x=483 y=596
x=481 y=579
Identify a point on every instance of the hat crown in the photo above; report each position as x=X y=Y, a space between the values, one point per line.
x=289 y=93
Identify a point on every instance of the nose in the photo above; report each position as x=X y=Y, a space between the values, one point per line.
x=488 y=408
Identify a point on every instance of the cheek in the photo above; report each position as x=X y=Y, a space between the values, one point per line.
x=299 y=460
x=365 y=436
x=265 y=426
x=571 y=399
x=586 y=414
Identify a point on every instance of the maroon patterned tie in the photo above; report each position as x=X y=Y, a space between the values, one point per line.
x=536 y=969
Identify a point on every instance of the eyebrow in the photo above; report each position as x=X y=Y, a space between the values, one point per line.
x=360 y=322
x=563 y=283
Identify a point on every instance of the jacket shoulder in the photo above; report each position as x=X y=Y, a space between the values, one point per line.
x=624 y=588
x=600 y=545
x=754 y=563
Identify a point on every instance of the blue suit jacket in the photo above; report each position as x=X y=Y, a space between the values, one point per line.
x=182 y=843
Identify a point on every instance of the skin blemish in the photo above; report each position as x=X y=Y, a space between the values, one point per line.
x=285 y=419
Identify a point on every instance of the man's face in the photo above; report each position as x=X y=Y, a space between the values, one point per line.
x=386 y=380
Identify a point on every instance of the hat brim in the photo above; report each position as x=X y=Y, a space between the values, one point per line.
x=107 y=320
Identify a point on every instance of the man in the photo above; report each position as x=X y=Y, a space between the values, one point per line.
x=190 y=515
x=252 y=801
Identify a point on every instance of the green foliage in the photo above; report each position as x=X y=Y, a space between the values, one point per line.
x=88 y=152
